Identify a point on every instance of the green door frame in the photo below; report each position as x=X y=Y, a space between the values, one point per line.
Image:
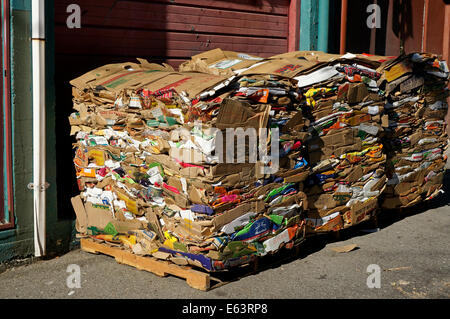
x=7 y=206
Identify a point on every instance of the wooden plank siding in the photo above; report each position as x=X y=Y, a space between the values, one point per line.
x=419 y=29
x=170 y=31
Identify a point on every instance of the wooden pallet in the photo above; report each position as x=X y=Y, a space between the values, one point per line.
x=195 y=279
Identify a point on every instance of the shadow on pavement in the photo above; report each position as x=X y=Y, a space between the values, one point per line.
x=314 y=244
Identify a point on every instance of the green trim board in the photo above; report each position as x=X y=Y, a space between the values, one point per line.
x=314 y=18
x=18 y=242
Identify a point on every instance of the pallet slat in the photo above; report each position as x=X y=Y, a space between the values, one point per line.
x=195 y=279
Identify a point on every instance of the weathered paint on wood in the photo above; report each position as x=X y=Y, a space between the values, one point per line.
x=172 y=31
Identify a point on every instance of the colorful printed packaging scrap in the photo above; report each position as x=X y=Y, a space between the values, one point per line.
x=416 y=92
x=234 y=156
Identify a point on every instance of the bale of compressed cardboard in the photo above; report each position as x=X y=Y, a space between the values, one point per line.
x=345 y=151
x=149 y=179
x=159 y=175
x=416 y=91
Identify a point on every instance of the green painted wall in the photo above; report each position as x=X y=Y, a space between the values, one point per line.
x=309 y=25
x=18 y=242
x=314 y=25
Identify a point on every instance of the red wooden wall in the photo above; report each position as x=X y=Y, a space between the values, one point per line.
x=170 y=30
x=422 y=25
x=115 y=31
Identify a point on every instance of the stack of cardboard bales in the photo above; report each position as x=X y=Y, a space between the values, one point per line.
x=343 y=109
x=416 y=94
x=233 y=156
x=153 y=168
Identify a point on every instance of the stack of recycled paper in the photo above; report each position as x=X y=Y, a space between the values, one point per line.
x=153 y=166
x=234 y=156
x=416 y=91
x=343 y=108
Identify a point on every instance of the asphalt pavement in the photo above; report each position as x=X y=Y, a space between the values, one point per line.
x=407 y=257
